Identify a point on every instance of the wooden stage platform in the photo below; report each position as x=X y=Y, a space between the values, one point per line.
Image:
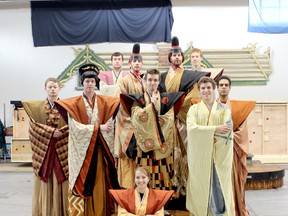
x=264 y=176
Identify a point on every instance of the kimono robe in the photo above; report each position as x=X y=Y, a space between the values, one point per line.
x=91 y=164
x=154 y=132
x=124 y=132
x=49 y=159
x=109 y=86
x=185 y=81
x=129 y=202
x=109 y=83
x=240 y=111
x=210 y=157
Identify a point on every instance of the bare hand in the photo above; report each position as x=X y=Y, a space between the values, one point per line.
x=222 y=129
x=154 y=97
x=57 y=133
x=106 y=127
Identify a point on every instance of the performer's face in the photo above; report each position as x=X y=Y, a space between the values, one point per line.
x=117 y=62
x=52 y=89
x=89 y=85
x=141 y=180
x=196 y=59
x=224 y=87
x=206 y=91
x=152 y=82
x=136 y=65
x=176 y=59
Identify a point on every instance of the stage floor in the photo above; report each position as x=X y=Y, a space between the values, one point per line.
x=16 y=184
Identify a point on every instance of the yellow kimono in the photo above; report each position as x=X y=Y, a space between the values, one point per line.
x=185 y=81
x=124 y=131
x=207 y=149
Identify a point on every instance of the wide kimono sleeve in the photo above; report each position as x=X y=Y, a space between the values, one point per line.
x=199 y=157
x=146 y=129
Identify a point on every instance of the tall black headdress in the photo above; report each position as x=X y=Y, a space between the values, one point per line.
x=89 y=71
x=175 y=48
x=136 y=53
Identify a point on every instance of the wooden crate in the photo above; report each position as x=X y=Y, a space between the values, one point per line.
x=20 y=146
x=267 y=130
x=21 y=150
x=20 y=123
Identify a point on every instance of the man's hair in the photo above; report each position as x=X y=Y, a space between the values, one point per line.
x=223 y=77
x=117 y=54
x=152 y=71
x=196 y=50
x=52 y=79
x=206 y=80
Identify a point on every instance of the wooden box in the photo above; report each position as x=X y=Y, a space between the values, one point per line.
x=21 y=150
x=20 y=123
x=267 y=130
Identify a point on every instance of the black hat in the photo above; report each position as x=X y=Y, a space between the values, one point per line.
x=89 y=71
x=136 y=53
x=175 y=48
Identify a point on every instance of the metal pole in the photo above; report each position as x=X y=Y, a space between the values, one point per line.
x=4 y=121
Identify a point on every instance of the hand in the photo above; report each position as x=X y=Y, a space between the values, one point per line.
x=57 y=133
x=222 y=129
x=106 y=127
x=154 y=96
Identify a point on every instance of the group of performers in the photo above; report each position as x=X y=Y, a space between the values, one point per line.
x=143 y=140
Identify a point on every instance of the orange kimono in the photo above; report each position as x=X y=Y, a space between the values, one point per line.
x=240 y=111
x=91 y=164
x=152 y=202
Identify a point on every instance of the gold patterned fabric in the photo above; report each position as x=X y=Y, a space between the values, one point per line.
x=50 y=193
x=154 y=129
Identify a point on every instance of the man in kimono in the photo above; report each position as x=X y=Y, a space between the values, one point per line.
x=210 y=155
x=109 y=85
x=91 y=165
x=109 y=80
x=48 y=134
x=152 y=115
x=240 y=111
x=196 y=57
x=125 y=142
x=179 y=80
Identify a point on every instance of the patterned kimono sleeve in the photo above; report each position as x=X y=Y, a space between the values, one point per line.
x=145 y=127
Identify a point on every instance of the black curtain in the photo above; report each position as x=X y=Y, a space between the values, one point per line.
x=75 y=22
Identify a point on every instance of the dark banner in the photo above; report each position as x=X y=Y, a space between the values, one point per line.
x=74 y=22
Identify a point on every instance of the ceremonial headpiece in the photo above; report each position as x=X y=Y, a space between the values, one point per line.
x=89 y=71
x=175 y=48
x=135 y=53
